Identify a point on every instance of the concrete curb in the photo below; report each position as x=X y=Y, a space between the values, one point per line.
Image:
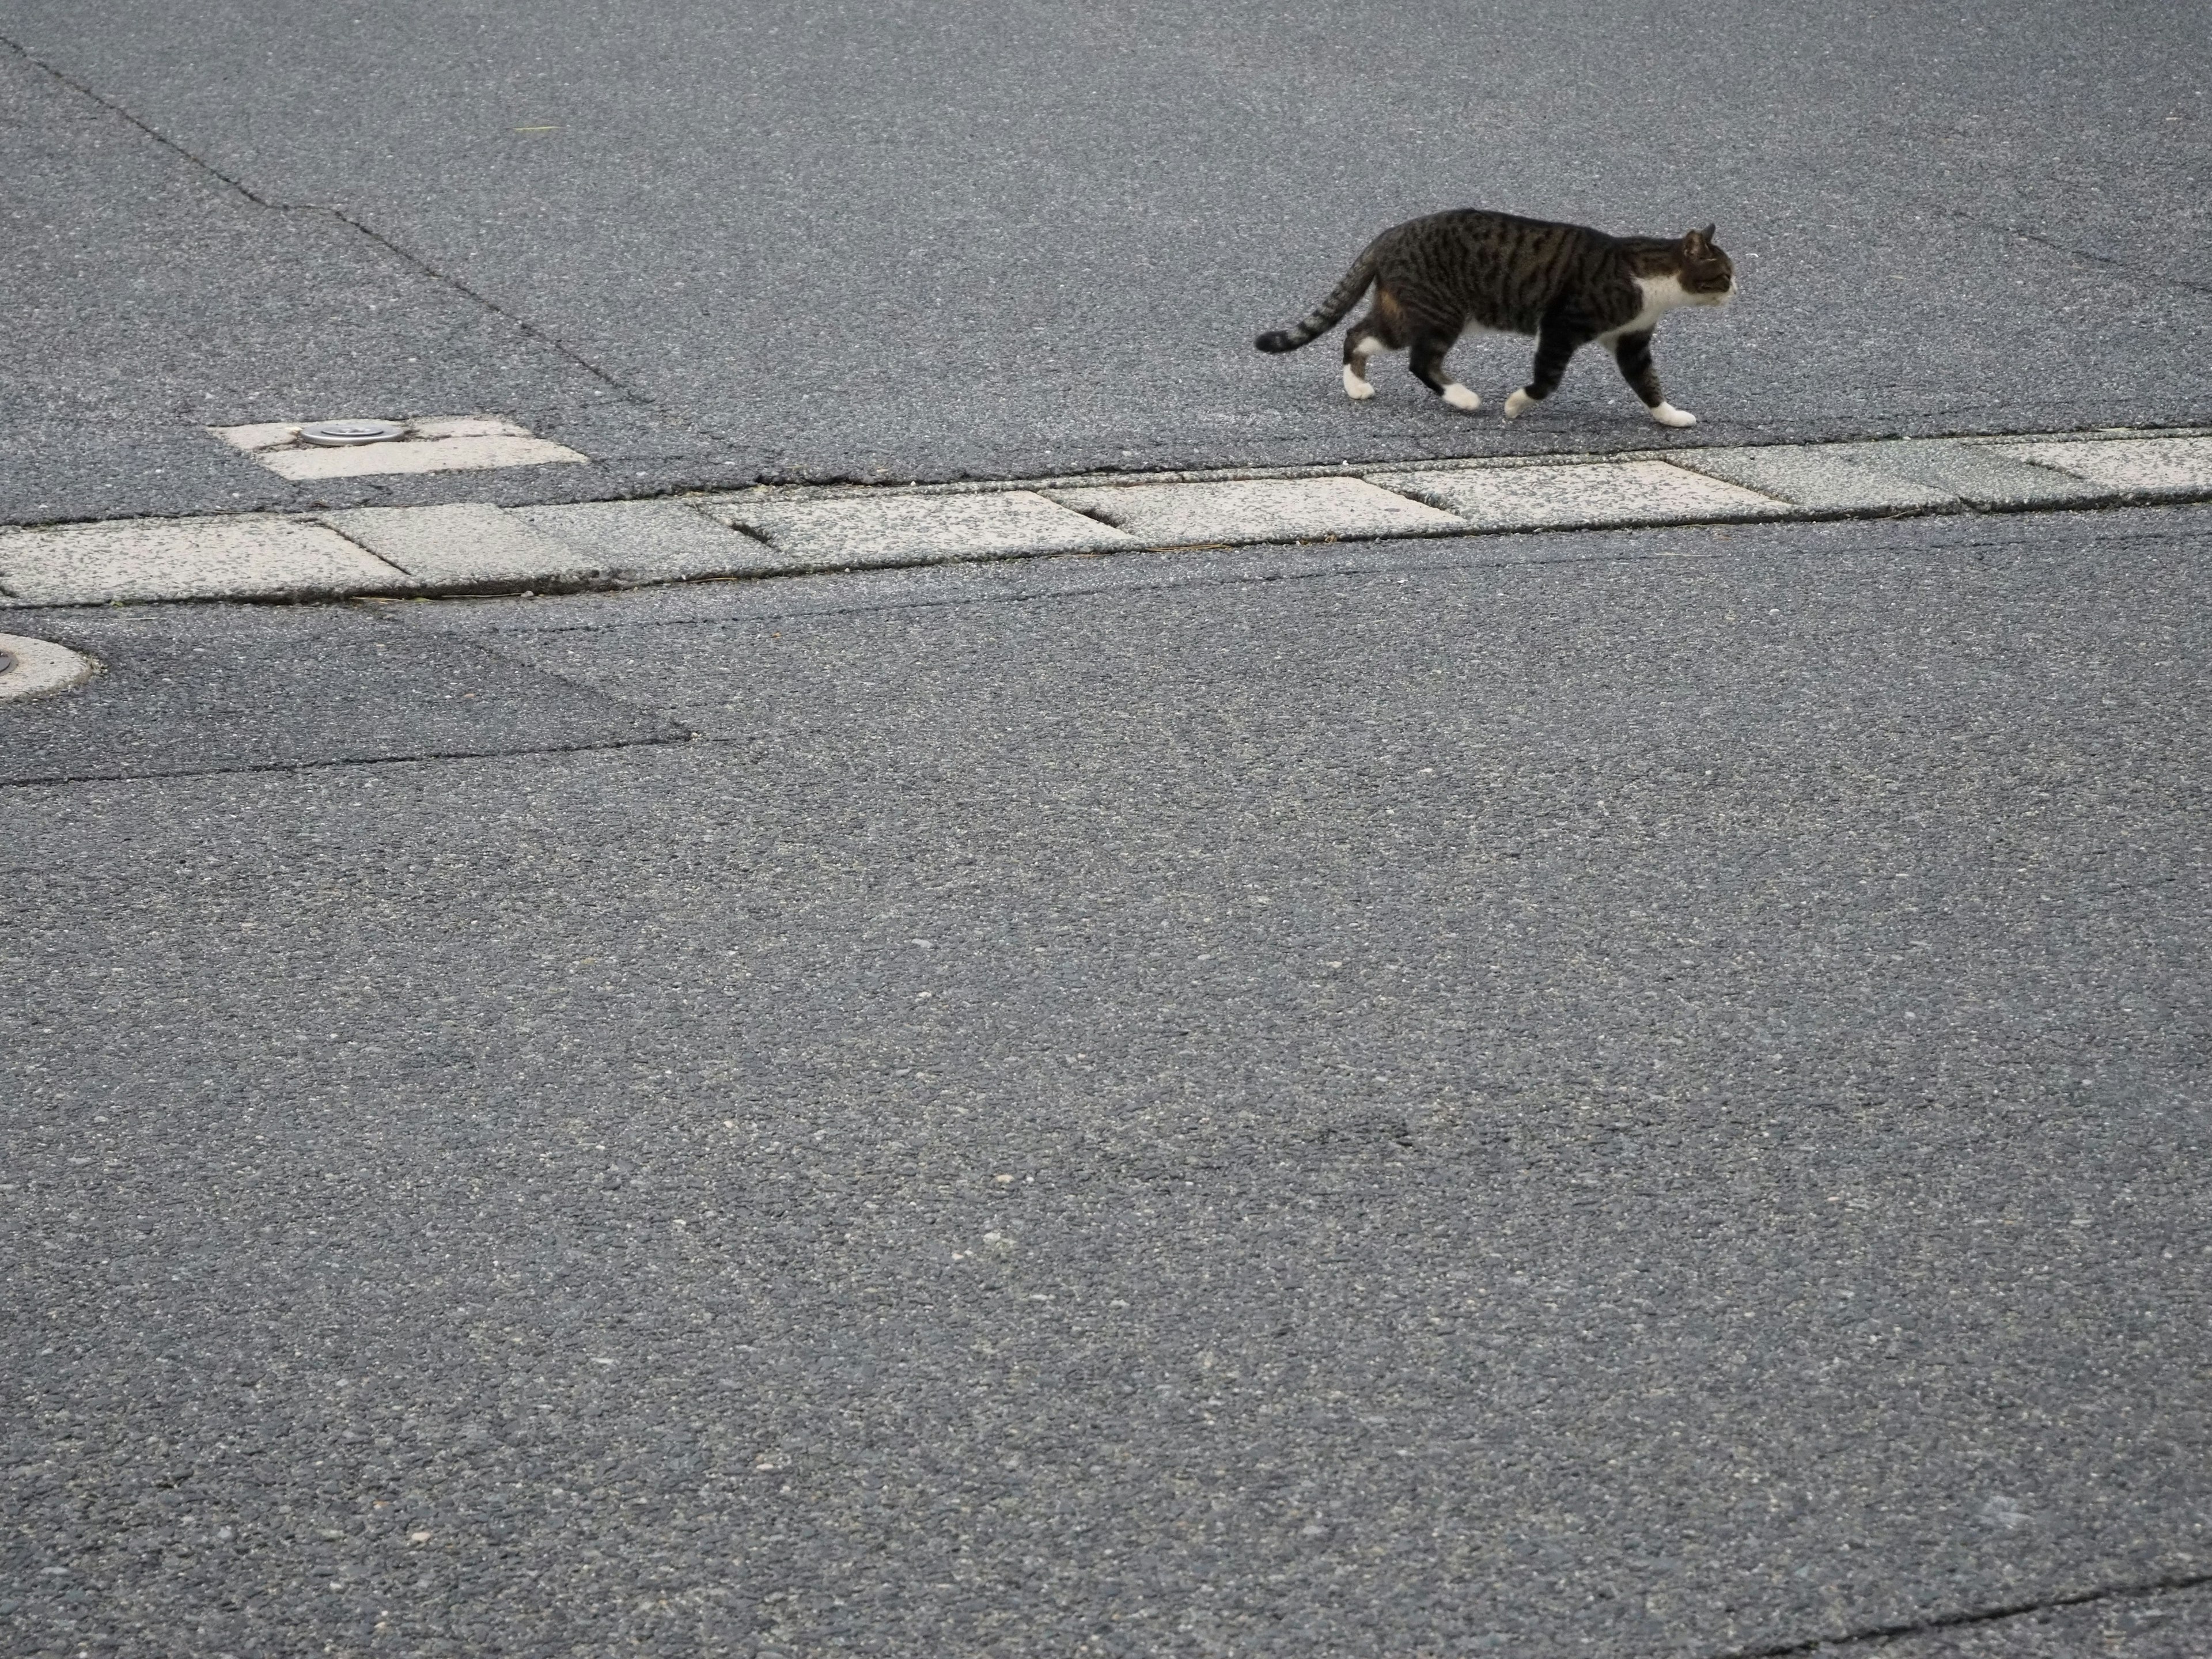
x=473 y=549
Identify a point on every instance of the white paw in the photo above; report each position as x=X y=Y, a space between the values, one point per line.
x=1355 y=388
x=1518 y=405
x=1460 y=397
x=1668 y=415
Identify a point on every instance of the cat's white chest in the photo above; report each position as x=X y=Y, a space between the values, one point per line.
x=1661 y=295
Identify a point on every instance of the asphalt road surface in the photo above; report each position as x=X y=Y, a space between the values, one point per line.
x=706 y=243
x=1621 y=1093
x=1634 y=1093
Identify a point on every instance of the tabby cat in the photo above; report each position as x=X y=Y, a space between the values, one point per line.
x=1566 y=284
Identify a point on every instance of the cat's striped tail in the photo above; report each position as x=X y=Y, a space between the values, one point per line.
x=1326 y=315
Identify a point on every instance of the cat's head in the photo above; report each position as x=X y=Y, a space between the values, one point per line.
x=1708 y=275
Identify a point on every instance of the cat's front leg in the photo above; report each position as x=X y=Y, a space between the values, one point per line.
x=1633 y=353
x=1556 y=343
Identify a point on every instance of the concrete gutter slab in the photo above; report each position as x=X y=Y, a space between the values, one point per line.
x=657 y=541
x=1813 y=478
x=2165 y=468
x=139 y=559
x=478 y=547
x=468 y=545
x=1259 y=510
x=1591 y=495
x=1978 y=475
x=853 y=531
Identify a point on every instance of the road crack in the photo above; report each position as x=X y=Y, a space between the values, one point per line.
x=1860 y=1639
x=2003 y=228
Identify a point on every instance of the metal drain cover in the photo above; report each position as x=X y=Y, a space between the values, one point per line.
x=337 y=435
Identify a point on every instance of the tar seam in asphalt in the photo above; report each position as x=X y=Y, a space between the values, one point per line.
x=677 y=737
x=1981 y=1616
x=2000 y=227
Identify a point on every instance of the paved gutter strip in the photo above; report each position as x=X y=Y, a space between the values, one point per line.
x=1980 y=476
x=1601 y=495
x=1259 y=510
x=132 y=560
x=856 y=532
x=474 y=549
x=465 y=546
x=1818 y=483
x=1686 y=457
x=2154 y=468
x=658 y=541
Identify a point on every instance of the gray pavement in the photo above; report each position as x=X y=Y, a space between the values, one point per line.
x=706 y=244
x=1599 y=1092
x=1595 y=1093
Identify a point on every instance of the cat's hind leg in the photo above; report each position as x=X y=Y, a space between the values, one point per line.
x=1633 y=353
x=1362 y=341
x=1383 y=329
x=1427 y=362
x=1359 y=344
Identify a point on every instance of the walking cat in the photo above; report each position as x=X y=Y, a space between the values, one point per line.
x=1568 y=285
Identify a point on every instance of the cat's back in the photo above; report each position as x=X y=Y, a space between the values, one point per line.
x=1502 y=269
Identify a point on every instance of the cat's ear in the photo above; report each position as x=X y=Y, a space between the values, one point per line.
x=1707 y=235
x=1691 y=238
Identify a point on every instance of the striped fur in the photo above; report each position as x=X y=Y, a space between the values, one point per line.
x=1568 y=285
x=1341 y=299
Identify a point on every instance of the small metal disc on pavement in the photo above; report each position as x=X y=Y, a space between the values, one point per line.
x=28 y=667
x=334 y=434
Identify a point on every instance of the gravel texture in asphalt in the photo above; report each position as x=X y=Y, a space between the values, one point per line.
x=1646 y=1097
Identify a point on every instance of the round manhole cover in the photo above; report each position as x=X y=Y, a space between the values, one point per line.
x=28 y=667
x=334 y=434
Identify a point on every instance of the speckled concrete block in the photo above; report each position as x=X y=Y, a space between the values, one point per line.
x=145 y=559
x=1975 y=474
x=1812 y=477
x=853 y=531
x=1591 y=495
x=465 y=546
x=2157 y=467
x=33 y=668
x=657 y=541
x=454 y=444
x=1259 y=510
